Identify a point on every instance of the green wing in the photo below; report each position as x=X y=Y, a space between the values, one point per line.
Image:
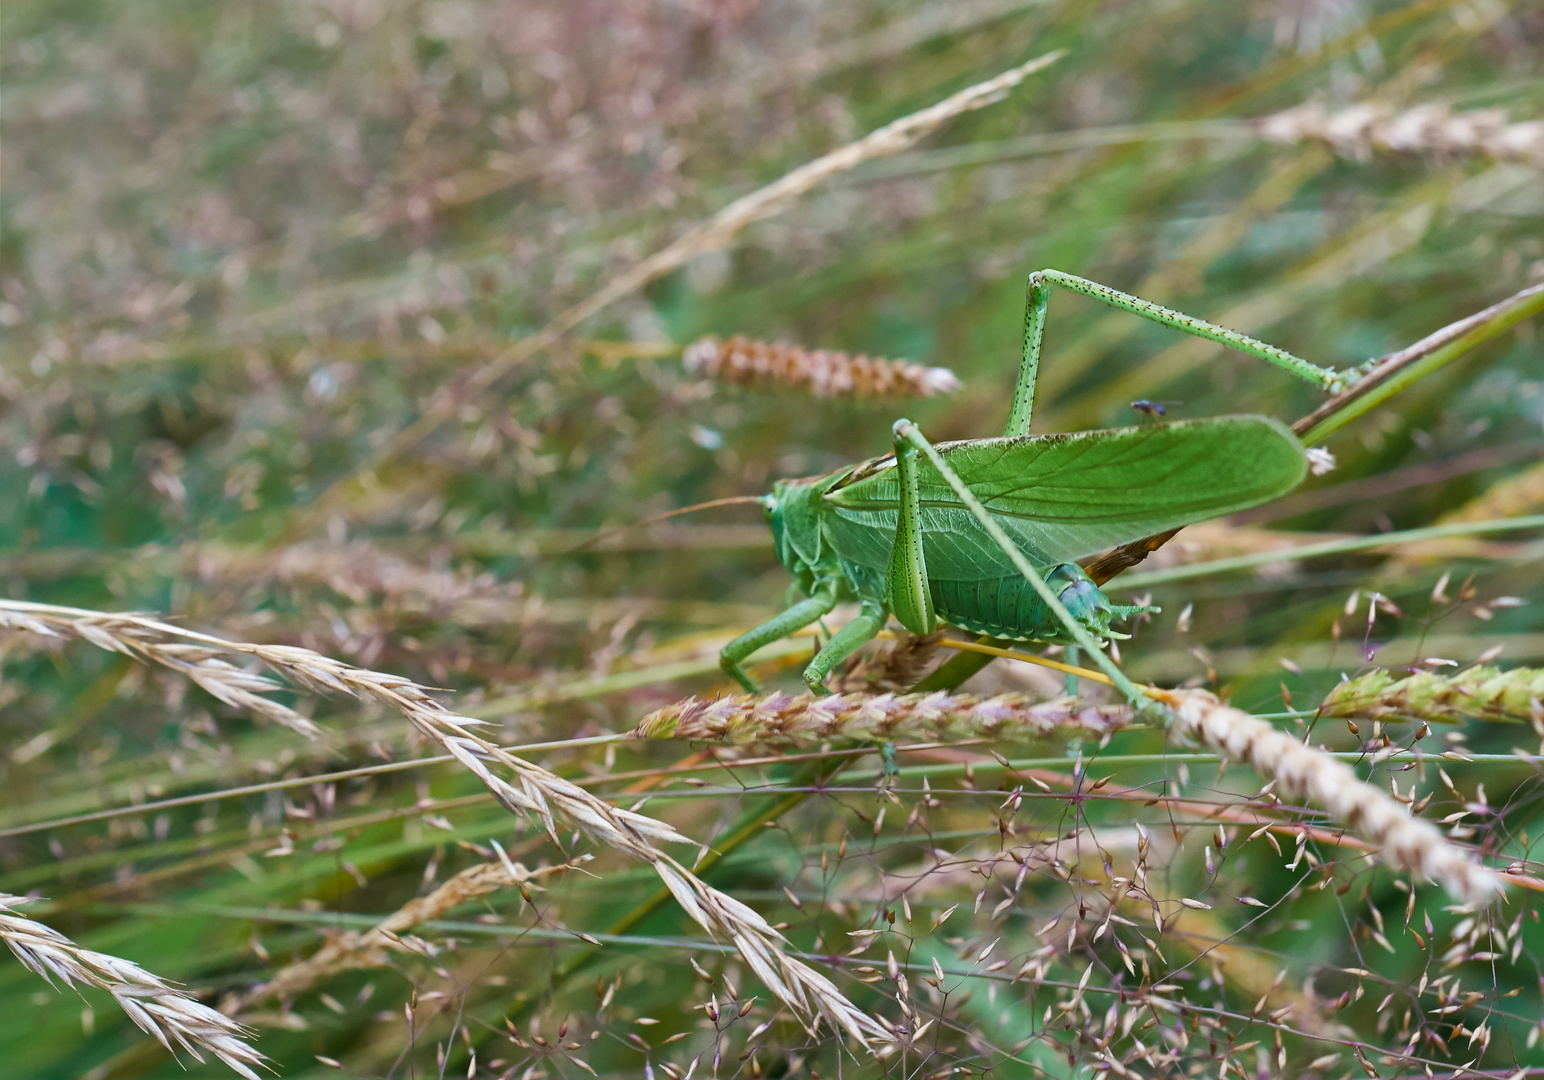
x=1062 y=497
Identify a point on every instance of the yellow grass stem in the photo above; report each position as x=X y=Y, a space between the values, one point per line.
x=1013 y=654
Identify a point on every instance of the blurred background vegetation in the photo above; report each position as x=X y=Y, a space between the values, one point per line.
x=244 y=245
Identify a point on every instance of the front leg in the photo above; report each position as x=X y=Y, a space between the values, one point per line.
x=776 y=628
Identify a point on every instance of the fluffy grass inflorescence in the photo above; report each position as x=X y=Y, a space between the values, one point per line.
x=546 y=797
x=782 y=719
x=154 y=1005
x=348 y=334
x=351 y=951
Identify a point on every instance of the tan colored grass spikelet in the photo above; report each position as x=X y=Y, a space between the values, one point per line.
x=347 y=952
x=779 y=718
x=822 y=372
x=1304 y=772
x=893 y=670
x=154 y=1005
x=1482 y=692
x=543 y=796
x=127 y=634
x=1516 y=495
x=1360 y=130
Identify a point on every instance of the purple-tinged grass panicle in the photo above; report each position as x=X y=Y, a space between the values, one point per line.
x=350 y=951
x=779 y=718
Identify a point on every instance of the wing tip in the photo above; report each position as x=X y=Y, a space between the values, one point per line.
x=1288 y=440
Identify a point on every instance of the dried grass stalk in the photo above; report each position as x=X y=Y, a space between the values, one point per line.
x=764 y=202
x=1304 y=772
x=133 y=636
x=1481 y=692
x=894 y=670
x=542 y=795
x=822 y=372
x=785 y=718
x=1427 y=129
x=347 y=952
x=154 y=1006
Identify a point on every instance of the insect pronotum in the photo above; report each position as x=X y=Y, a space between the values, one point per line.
x=982 y=534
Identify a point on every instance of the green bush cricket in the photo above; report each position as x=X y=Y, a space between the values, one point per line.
x=983 y=533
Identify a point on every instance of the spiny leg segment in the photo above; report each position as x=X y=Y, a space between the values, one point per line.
x=1039 y=293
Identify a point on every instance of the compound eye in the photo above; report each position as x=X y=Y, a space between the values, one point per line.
x=769 y=505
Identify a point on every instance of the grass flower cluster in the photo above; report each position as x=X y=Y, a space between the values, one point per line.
x=822 y=372
x=361 y=704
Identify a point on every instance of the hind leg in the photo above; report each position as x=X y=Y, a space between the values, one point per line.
x=907 y=431
x=1039 y=293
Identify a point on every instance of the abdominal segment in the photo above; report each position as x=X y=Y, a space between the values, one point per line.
x=1009 y=607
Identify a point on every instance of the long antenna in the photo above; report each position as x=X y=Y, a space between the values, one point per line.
x=733 y=500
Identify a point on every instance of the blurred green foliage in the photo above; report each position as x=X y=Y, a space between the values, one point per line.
x=243 y=245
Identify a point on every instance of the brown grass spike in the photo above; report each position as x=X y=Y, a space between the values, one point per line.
x=822 y=372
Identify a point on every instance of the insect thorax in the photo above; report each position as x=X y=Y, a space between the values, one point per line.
x=793 y=513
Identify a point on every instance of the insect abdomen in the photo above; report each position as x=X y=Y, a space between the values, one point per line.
x=1001 y=607
x=1009 y=607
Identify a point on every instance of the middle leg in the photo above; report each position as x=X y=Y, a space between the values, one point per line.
x=849 y=639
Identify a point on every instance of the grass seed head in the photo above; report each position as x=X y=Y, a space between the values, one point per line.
x=821 y=372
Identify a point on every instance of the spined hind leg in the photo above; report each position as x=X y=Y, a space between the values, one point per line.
x=1039 y=293
x=907 y=431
